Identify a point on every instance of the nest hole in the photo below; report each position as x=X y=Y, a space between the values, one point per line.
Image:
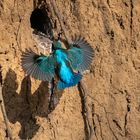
x=41 y=22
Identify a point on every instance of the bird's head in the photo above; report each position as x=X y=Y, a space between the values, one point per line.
x=57 y=45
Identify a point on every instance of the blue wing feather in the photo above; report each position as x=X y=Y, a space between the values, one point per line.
x=38 y=66
x=75 y=56
x=80 y=54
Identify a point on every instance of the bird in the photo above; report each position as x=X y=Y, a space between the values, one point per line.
x=66 y=64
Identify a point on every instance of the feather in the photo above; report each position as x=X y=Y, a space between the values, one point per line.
x=75 y=79
x=38 y=66
x=80 y=54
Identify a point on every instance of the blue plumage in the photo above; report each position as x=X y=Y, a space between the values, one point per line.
x=76 y=77
x=61 y=62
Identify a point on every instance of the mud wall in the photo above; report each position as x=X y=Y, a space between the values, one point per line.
x=113 y=84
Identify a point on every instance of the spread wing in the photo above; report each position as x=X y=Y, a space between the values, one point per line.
x=80 y=54
x=38 y=66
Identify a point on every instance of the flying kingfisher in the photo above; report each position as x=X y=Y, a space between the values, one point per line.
x=66 y=64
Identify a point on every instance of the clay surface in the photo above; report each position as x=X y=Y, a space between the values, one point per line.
x=112 y=27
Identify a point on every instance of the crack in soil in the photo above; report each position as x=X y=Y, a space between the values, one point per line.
x=106 y=117
x=131 y=17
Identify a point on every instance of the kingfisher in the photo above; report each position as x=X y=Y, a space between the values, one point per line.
x=66 y=64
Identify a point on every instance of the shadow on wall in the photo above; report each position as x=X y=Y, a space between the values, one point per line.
x=23 y=107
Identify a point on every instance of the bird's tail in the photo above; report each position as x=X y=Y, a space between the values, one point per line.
x=75 y=79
